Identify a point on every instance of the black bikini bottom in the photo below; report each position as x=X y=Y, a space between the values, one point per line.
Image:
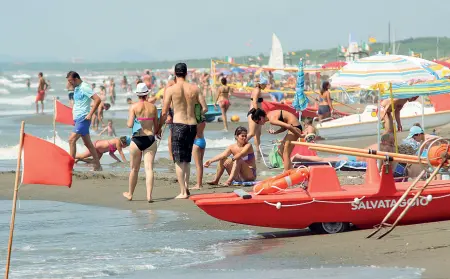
x=143 y=142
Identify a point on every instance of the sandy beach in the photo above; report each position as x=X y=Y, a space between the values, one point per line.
x=421 y=246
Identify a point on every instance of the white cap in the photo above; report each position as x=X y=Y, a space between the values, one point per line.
x=141 y=89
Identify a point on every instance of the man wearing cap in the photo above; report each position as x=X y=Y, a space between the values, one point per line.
x=415 y=137
x=82 y=114
x=185 y=97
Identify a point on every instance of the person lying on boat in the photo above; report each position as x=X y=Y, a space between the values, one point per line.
x=286 y=121
x=386 y=113
x=103 y=146
x=241 y=166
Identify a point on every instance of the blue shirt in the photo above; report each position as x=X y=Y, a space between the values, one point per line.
x=82 y=100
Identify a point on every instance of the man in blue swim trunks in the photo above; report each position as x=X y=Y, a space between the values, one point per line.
x=82 y=114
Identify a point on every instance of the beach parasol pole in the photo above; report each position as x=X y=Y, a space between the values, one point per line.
x=359 y=150
x=413 y=160
x=16 y=190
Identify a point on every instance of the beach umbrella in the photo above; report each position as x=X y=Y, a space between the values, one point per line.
x=335 y=65
x=300 y=100
x=375 y=69
x=413 y=89
x=237 y=70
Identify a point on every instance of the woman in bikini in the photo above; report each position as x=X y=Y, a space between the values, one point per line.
x=256 y=100
x=325 y=105
x=143 y=141
x=241 y=166
x=223 y=99
x=286 y=121
x=103 y=146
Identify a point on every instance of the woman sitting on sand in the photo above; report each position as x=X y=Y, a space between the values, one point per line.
x=223 y=99
x=103 y=146
x=143 y=141
x=241 y=166
x=286 y=121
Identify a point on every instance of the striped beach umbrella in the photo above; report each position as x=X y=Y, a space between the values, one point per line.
x=375 y=69
x=408 y=90
x=300 y=100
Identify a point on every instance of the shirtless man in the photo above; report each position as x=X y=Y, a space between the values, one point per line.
x=386 y=113
x=42 y=87
x=184 y=97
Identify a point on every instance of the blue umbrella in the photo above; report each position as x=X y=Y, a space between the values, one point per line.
x=300 y=101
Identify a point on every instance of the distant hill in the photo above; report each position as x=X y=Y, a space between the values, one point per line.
x=424 y=45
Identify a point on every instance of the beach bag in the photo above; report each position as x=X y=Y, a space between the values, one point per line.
x=275 y=159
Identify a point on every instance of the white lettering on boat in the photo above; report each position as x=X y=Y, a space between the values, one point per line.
x=376 y=204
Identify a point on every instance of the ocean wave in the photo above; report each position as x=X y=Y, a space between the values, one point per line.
x=10 y=152
x=22 y=101
x=4 y=91
x=21 y=76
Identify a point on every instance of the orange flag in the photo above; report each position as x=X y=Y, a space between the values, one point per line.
x=45 y=163
x=63 y=114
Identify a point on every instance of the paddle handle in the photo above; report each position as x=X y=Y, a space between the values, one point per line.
x=16 y=190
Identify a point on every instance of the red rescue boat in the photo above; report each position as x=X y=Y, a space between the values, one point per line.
x=328 y=207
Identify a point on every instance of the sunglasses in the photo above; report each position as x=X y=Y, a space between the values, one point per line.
x=418 y=134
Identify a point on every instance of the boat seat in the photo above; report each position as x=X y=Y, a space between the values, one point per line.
x=323 y=179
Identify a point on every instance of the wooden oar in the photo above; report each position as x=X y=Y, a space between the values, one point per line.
x=359 y=150
x=370 y=156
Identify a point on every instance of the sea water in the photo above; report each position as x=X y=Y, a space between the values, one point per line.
x=17 y=103
x=63 y=240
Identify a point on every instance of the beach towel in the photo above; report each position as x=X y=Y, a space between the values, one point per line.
x=244 y=183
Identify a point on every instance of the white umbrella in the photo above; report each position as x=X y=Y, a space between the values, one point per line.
x=375 y=69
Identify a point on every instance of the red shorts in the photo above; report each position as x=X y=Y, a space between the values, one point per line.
x=40 y=95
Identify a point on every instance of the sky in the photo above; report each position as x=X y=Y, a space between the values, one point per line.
x=156 y=30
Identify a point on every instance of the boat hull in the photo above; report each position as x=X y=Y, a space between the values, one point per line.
x=300 y=212
x=370 y=128
x=325 y=201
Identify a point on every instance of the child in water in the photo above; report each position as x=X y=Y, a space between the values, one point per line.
x=110 y=129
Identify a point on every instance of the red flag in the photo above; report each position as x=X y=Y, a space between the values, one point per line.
x=63 y=114
x=45 y=163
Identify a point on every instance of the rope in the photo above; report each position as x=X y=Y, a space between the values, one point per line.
x=279 y=205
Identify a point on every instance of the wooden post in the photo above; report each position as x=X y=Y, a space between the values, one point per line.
x=16 y=190
x=54 y=120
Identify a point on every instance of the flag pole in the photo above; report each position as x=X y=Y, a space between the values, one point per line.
x=16 y=190
x=54 y=120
